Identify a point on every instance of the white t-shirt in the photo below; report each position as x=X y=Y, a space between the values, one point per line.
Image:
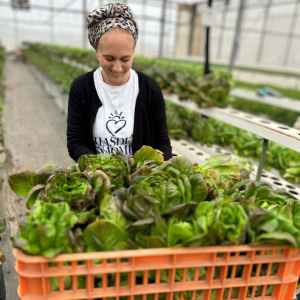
x=113 y=127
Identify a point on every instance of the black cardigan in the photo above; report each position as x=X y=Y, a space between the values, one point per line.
x=150 y=124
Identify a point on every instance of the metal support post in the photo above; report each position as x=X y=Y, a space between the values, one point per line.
x=222 y=30
x=291 y=33
x=237 y=34
x=162 y=29
x=262 y=159
x=263 y=31
x=191 y=38
x=84 y=28
x=206 y=69
x=51 y=25
x=143 y=36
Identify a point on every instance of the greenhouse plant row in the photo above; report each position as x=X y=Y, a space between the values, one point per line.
x=205 y=131
x=91 y=226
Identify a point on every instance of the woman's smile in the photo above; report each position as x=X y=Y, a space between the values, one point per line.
x=116 y=73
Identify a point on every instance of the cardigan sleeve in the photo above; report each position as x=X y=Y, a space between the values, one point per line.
x=77 y=125
x=162 y=141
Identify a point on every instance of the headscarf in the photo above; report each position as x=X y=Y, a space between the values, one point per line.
x=110 y=16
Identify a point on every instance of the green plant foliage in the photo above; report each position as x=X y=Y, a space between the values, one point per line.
x=103 y=235
x=147 y=157
x=243 y=143
x=174 y=204
x=115 y=166
x=46 y=230
x=109 y=202
x=111 y=209
x=22 y=182
x=75 y=189
x=188 y=81
x=54 y=281
x=225 y=223
x=184 y=78
x=277 y=114
x=2 y=225
x=243 y=68
x=273 y=214
x=53 y=66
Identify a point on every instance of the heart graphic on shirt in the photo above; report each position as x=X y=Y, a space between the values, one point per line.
x=114 y=126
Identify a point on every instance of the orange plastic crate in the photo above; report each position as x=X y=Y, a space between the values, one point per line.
x=34 y=273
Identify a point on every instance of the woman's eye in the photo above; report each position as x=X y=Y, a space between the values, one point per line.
x=111 y=59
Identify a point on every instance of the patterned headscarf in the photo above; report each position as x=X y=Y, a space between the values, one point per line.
x=110 y=16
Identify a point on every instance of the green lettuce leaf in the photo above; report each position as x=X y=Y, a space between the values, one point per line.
x=22 y=182
x=103 y=235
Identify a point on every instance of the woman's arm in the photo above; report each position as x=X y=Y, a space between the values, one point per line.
x=162 y=141
x=77 y=125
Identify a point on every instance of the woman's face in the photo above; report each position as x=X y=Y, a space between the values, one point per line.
x=115 y=54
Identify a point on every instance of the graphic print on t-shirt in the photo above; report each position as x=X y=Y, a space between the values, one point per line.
x=116 y=123
x=112 y=143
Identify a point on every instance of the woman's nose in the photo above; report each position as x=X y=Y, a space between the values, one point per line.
x=117 y=66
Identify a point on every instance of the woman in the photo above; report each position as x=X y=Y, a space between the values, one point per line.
x=114 y=107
